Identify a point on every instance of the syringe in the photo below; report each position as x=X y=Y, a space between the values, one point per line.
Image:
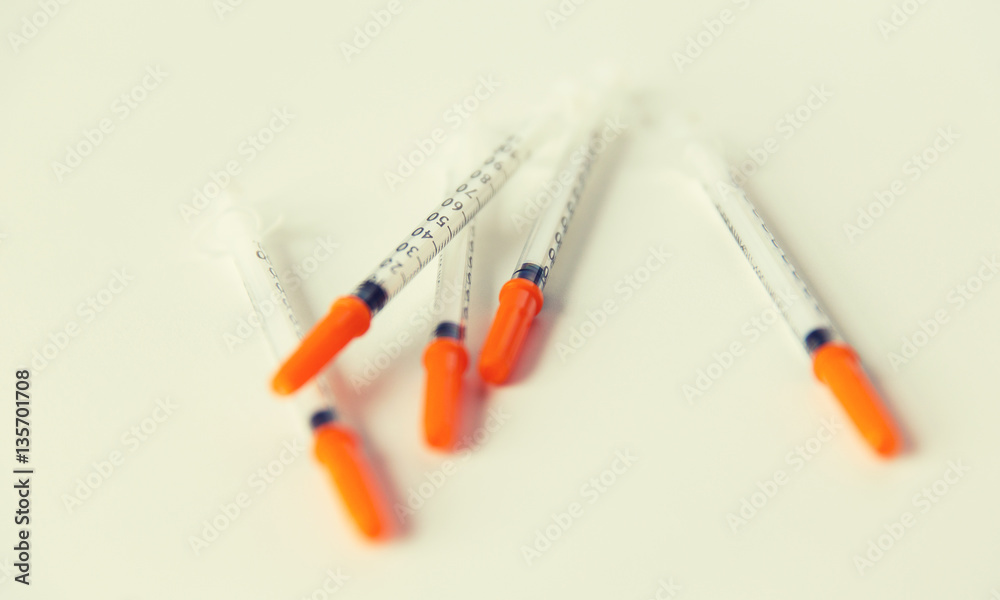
x=834 y=362
x=336 y=445
x=445 y=357
x=521 y=297
x=350 y=316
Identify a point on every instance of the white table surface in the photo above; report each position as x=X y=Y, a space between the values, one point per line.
x=663 y=526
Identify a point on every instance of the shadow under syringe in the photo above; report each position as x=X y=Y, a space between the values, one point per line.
x=345 y=398
x=567 y=264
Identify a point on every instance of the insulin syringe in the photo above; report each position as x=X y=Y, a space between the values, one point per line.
x=445 y=357
x=350 y=316
x=521 y=297
x=834 y=362
x=336 y=445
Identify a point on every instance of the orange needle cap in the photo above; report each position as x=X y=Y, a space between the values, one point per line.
x=520 y=301
x=838 y=367
x=348 y=318
x=445 y=360
x=339 y=450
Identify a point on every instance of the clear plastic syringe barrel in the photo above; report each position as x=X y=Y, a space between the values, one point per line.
x=235 y=227
x=454 y=286
x=336 y=446
x=547 y=233
x=434 y=232
x=773 y=269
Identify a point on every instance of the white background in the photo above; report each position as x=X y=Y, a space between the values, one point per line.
x=665 y=518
